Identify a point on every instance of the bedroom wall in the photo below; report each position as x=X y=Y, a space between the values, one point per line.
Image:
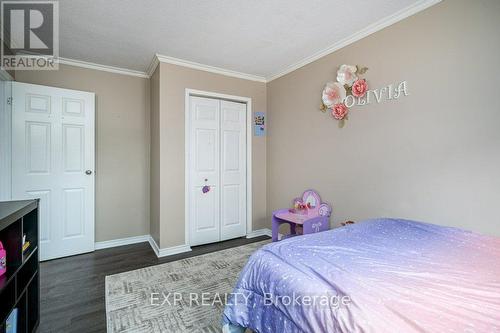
x=122 y=145
x=432 y=156
x=154 y=226
x=173 y=82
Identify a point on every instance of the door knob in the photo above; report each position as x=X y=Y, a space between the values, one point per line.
x=88 y=172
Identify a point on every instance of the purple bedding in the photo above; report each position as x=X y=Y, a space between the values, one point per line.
x=382 y=275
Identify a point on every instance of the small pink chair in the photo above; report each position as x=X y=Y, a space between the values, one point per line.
x=314 y=218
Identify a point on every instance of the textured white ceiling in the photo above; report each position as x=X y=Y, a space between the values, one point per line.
x=259 y=37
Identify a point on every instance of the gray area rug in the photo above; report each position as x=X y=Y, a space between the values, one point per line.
x=180 y=296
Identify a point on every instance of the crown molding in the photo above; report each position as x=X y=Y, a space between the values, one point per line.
x=377 y=26
x=99 y=67
x=202 y=67
x=372 y=28
x=152 y=66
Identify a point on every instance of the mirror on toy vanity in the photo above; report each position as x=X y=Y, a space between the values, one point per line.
x=311 y=201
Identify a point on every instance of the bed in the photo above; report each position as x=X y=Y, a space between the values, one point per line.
x=381 y=275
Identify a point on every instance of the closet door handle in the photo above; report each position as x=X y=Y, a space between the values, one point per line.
x=88 y=172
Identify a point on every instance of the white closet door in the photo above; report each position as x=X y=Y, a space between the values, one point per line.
x=204 y=208
x=233 y=169
x=53 y=159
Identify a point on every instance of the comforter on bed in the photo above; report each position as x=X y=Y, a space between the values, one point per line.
x=382 y=275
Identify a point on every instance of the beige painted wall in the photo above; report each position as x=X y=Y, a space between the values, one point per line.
x=173 y=82
x=431 y=156
x=155 y=207
x=122 y=145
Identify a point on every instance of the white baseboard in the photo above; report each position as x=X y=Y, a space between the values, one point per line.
x=120 y=242
x=168 y=251
x=154 y=246
x=140 y=239
x=260 y=232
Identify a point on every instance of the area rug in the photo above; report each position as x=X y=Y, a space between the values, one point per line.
x=180 y=296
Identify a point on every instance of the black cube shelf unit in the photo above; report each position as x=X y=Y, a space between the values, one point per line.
x=20 y=285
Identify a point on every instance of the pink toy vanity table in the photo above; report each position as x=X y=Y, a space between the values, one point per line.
x=308 y=216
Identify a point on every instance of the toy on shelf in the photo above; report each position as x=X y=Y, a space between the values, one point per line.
x=308 y=215
x=3 y=260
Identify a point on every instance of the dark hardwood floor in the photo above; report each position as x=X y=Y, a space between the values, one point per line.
x=72 y=288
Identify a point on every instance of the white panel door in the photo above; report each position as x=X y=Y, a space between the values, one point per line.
x=204 y=214
x=5 y=146
x=217 y=158
x=233 y=170
x=53 y=159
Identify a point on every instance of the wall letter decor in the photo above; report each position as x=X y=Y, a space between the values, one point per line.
x=350 y=90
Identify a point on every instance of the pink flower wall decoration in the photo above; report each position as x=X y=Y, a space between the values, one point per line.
x=359 y=88
x=347 y=74
x=339 y=111
x=335 y=93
